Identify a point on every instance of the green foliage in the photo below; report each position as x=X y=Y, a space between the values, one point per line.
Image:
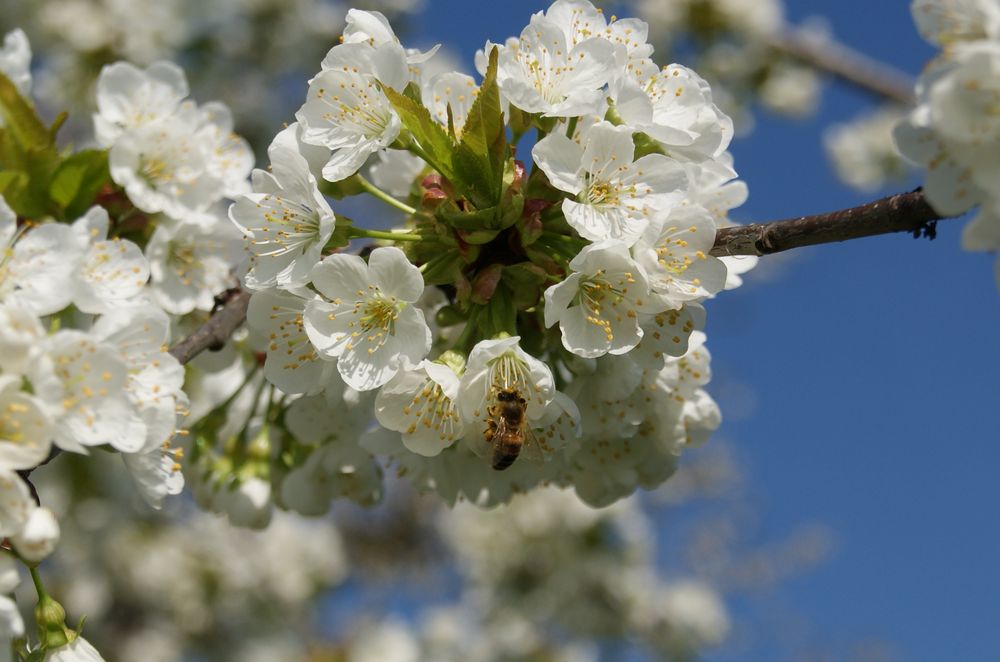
x=77 y=181
x=342 y=189
x=431 y=139
x=482 y=152
x=35 y=179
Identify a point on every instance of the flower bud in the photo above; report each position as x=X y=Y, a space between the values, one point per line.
x=51 y=619
x=249 y=504
x=485 y=283
x=433 y=198
x=39 y=536
x=519 y=172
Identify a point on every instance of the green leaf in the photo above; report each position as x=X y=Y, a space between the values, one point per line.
x=442 y=268
x=78 y=180
x=526 y=282
x=20 y=117
x=26 y=145
x=482 y=151
x=342 y=189
x=430 y=136
x=479 y=219
x=12 y=183
x=501 y=315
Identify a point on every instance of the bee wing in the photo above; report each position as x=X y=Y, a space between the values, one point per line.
x=481 y=445
x=533 y=448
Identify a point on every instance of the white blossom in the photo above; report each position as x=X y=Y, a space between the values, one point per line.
x=675 y=254
x=614 y=195
x=420 y=404
x=129 y=97
x=345 y=109
x=25 y=428
x=15 y=60
x=791 y=89
x=81 y=382
x=162 y=168
x=945 y=22
x=544 y=72
x=695 y=610
x=372 y=28
x=112 y=270
x=286 y=220
x=598 y=305
x=713 y=185
x=39 y=535
x=395 y=170
x=248 y=504
x=36 y=264
x=16 y=503
x=292 y=364
x=78 y=650
x=229 y=158
x=949 y=131
x=953 y=133
x=502 y=364
x=368 y=321
x=863 y=151
x=453 y=90
x=675 y=106
x=11 y=623
x=190 y=263
x=20 y=333
x=153 y=386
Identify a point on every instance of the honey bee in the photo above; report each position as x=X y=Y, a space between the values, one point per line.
x=508 y=431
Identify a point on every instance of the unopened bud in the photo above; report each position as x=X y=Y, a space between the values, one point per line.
x=518 y=175
x=485 y=283
x=433 y=198
x=51 y=619
x=432 y=181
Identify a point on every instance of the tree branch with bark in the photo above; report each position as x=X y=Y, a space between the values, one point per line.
x=902 y=212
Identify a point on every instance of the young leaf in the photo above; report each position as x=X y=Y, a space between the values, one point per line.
x=429 y=135
x=77 y=181
x=21 y=118
x=482 y=151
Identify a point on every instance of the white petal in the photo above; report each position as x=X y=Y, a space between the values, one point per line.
x=559 y=158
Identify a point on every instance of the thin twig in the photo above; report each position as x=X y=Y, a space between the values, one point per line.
x=845 y=63
x=216 y=331
x=902 y=212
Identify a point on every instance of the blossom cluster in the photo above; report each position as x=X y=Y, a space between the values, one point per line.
x=954 y=131
x=549 y=313
x=88 y=299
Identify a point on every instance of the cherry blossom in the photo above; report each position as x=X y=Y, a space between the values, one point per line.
x=367 y=320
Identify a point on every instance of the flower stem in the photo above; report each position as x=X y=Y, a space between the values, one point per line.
x=368 y=187
x=571 y=128
x=37 y=581
x=361 y=233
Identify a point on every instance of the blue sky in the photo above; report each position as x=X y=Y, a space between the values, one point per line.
x=873 y=366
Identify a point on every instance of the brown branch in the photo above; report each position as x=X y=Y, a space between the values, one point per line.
x=902 y=212
x=214 y=333
x=846 y=64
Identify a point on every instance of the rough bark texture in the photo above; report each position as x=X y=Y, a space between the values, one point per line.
x=228 y=316
x=903 y=212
